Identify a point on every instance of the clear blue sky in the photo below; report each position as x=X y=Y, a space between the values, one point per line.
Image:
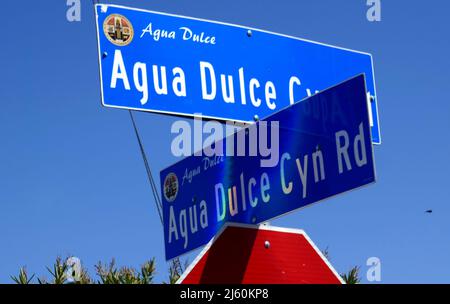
x=72 y=178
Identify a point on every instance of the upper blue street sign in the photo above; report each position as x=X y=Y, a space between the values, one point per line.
x=324 y=149
x=176 y=65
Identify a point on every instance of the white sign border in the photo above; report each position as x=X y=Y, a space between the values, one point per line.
x=105 y=8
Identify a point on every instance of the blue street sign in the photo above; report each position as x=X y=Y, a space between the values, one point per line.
x=176 y=65
x=324 y=149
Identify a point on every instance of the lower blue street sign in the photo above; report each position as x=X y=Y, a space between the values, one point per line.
x=176 y=65
x=319 y=148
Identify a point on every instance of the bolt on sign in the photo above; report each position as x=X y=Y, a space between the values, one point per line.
x=325 y=149
x=176 y=65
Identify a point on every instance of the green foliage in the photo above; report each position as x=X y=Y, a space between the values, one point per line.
x=106 y=273
x=59 y=271
x=128 y=276
x=23 y=278
x=326 y=254
x=110 y=274
x=352 y=277
x=84 y=277
x=176 y=270
x=148 y=272
x=174 y=274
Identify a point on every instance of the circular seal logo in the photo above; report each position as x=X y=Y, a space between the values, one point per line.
x=171 y=187
x=118 y=30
